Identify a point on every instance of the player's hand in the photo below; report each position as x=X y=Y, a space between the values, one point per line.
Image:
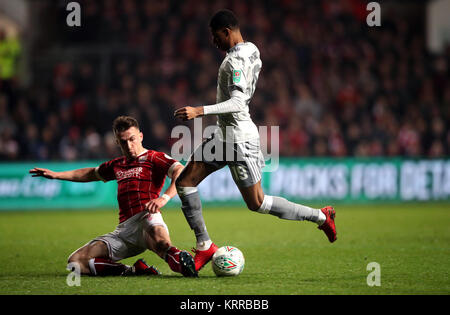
x=188 y=112
x=43 y=172
x=155 y=205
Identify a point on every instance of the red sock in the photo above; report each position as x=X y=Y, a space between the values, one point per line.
x=173 y=258
x=105 y=267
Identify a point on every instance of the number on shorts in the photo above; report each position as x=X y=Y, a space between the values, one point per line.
x=239 y=172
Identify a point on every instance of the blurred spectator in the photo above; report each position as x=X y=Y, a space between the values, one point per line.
x=10 y=50
x=333 y=85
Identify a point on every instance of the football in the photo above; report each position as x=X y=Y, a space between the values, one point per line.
x=228 y=261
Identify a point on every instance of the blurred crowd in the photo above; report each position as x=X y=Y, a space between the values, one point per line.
x=334 y=86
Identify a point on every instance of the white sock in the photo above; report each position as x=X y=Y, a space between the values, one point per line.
x=285 y=209
x=322 y=218
x=205 y=245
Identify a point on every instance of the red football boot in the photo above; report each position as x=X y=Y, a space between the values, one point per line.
x=328 y=226
x=202 y=257
x=181 y=261
x=187 y=265
x=140 y=268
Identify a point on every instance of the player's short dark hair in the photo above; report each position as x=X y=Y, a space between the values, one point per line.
x=222 y=19
x=123 y=123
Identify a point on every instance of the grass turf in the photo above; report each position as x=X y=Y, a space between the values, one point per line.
x=411 y=243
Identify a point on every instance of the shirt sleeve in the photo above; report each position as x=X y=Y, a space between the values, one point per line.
x=165 y=163
x=235 y=71
x=105 y=171
x=236 y=103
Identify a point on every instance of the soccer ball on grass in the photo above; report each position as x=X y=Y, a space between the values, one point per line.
x=228 y=261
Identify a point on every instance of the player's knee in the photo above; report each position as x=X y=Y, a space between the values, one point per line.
x=80 y=261
x=188 y=178
x=182 y=181
x=179 y=182
x=77 y=257
x=253 y=206
x=82 y=255
x=183 y=184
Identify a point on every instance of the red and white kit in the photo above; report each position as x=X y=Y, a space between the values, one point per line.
x=139 y=181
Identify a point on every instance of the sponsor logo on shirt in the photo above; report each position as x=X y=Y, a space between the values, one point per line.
x=134 y=172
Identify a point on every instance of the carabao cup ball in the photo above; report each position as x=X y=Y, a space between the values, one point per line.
x=228 y=261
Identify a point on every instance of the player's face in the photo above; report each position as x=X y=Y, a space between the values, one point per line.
x=130 y=141
x=221 y=38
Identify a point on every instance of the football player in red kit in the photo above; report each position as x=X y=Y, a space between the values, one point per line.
x=140 y=174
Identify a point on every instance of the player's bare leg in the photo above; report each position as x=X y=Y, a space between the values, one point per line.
x=93 y=259
x=158 y=240
x=192 y=175
x=257 y=201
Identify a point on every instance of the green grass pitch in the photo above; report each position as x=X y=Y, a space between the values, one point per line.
x=410 y=242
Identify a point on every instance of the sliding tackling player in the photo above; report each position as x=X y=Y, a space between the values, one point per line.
x=140 y=175
x=236 y=84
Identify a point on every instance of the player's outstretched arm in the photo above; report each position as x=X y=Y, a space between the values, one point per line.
x=236 y=103
x=78 y=175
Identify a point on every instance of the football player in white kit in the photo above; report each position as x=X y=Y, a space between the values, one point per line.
x=237 y=78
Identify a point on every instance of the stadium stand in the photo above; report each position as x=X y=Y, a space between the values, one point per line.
x=335 y=86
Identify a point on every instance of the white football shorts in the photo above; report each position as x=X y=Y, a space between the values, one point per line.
x=244 y=159
x=127 y=240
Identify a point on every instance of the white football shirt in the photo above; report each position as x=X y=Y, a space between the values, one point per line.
x=236 y=83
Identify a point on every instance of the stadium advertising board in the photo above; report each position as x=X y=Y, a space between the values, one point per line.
x=317 y=180
x=356 y=180
x=19 y=190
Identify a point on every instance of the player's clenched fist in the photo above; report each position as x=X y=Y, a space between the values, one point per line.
x=188 y=112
